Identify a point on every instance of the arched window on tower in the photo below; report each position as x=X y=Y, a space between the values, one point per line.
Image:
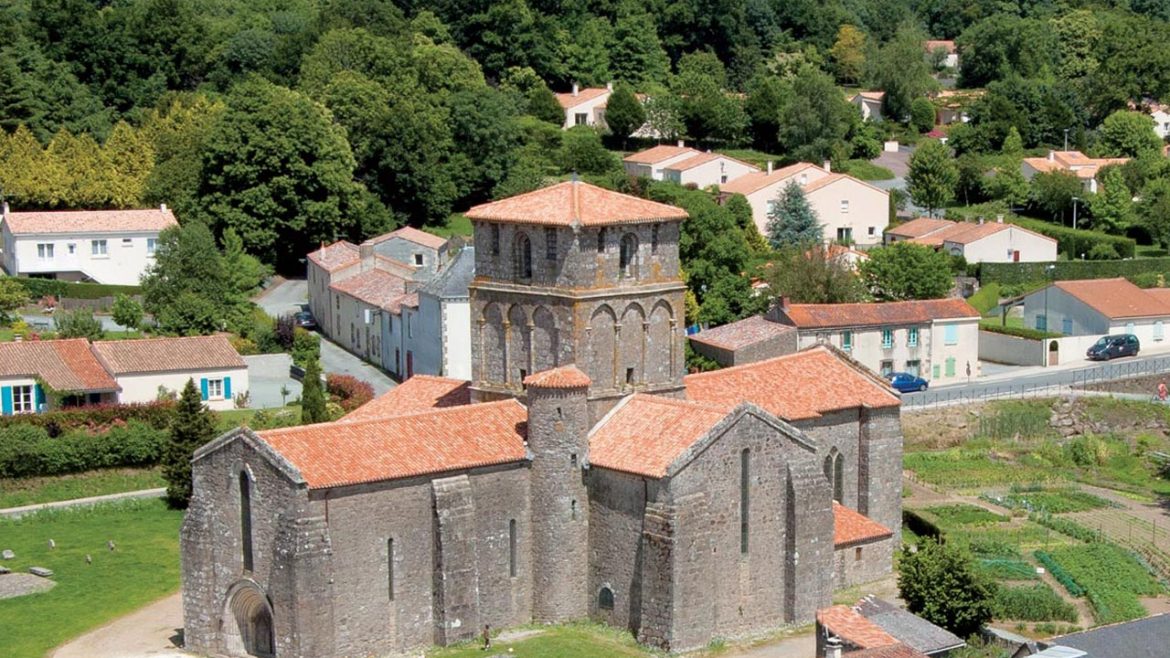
x=523 y=256
x=246 y=519
x=629 y=256
x=835 y=473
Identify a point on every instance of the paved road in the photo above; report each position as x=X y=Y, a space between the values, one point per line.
x=154 y=631
x=45 y=322
x=17 y=512
x=288 y=296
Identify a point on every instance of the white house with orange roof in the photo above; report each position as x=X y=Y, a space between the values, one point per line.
x=1074 y=162
x=978 y=242
x=706 y=169
x=1096 y=307
x=850 y=211
x=104 y=246
x=869 y=103
x=652 y=162
x=585 y=107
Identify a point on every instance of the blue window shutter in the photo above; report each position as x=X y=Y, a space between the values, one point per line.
x=40 y=397
x=6 y=400
x=203 y=387
x=227 y=388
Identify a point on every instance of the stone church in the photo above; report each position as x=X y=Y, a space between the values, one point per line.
x=580 y=474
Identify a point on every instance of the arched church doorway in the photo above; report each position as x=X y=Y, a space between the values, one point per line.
x=247 y=622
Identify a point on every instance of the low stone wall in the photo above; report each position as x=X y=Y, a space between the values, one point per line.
x=1011 y=350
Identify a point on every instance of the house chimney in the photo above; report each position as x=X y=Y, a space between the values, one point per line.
x=576 y=88
x=162 y=207
x=999 y=219
x=828 y=166
x=1051 y=155
x=769 y=166
x=609 y=86
x=833 y=647
x=366 y=253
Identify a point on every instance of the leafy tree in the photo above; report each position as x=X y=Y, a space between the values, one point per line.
x=583 y=152
x=933 y=176
x=806 y=275
x=245 y=272
x=192 y=427
x=79 y=323
x=1112 y=205
x=587 y=55
x=127 y=311
x=707 y=110
x=188 y=289
x=278 y=171
x=85 y=177
x=1004 y=44
x=1009 y=185
x=45 y=95
x=1013 y=144
x=941 y=584
x=904 y=271
x=817 y=117
x=543 y=105
x=637 y=56
x=664 y=115
x=792 y=221
x=29 y=176
x=486 y=138
x=130 y=158
x=1126 y=133
x=739 y=208
x=313 y=395
x=922 y=115
x=1154 y=210
x=12 y=297
x=848 y=54
x=624 y=113
x=902 y=72
x=1053 y=192
x=177 y=131
x=766 y=96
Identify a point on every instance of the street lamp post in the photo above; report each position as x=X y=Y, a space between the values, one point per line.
x=1049 y=271
x=1075 y=200
x=1066 y=139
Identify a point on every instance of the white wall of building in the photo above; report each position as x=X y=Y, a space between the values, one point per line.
x=761 y=200
x=358 y=328
x=122 y=261
x=933 y=357
x=457 y=339
x=1161 y=122
x=145 y=387
x=657 y=170
x=849 y=204
x=587 y=113
x=1000 y=248
x=716 y=172
x=871 y=110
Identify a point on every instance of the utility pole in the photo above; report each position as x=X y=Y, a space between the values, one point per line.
x=1075 y=200
x=1066 y=139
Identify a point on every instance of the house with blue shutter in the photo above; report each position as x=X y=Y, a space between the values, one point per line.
x=35 y=375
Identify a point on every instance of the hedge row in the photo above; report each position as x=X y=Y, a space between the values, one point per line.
x=38 y=288
x=1019 y=332
x=1075 y=242
x=1021 y=273
x=29 y=451
x=920 y=525
x=93 y=418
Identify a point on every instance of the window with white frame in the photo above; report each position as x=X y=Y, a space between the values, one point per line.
x=887 y=338
x=844 y=206
x=215 y=389
x=872 y=231
x=580 y=119
x=45 y=251
x=22 y=400
x=98 y=248
x=912 y=337
x=151 y=246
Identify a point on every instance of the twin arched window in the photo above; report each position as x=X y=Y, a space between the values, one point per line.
x=835 y=473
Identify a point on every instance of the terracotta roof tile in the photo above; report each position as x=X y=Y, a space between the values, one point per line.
x=872 y=314
x=852 y=527
x=568 y=376
x=569 y=100
x=753 y=182
x=422 y=443
x=168 y=354
x=656 y=154
x=395 y=305
x=411 y=234
x=396 y=267
x=1116 y=298
x=794 y=387
x=418 y=393
x=575 y=203
x=872 y=95
x=374 y=287
x=743 y=333
x=336 y=256
x=90 y=221
x=934 y=44
x=848 y=624
x=65 y=365
x=646 y=434
x=916 y=228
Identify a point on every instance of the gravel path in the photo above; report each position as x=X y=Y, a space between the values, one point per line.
x=154 y=631
x=17 y=512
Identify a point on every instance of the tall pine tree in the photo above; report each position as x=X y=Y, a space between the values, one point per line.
x=312 y=395
x=193 y=426
x=792 y=221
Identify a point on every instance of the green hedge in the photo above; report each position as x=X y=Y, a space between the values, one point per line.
x=1019 y=273
x=93 y=418
x=1075 y=242
x=38 y=288
x=29 y=451
x=920 y=525
x=1019 y=332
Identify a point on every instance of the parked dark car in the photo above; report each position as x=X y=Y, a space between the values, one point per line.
x=306 y=320
x=904 y=382
x=1111 y=347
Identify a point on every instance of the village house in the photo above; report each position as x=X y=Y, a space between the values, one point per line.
x=851 y=211
x=1074 y=162
x=103 y=246
x=580 y=474
x=585 y=107
x=1097 y=307
x=37 y=375
x=869 y=103
x=745 y=341
x=977 y=242
x=686 y=166
x=440 y=308
x=943 y=51
x=873 y=624
x=652 y=162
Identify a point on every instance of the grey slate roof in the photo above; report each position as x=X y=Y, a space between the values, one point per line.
x=453 y=281
x=1144 y=638
x=907 y=627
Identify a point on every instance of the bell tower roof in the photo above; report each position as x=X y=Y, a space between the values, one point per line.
x=563 y=377
x=575 y=203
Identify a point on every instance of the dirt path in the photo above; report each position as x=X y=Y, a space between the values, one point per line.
x=17 y=512
x=153 y=631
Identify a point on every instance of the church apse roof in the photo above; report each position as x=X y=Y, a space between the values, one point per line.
x=422 y=443
x=563 y=377
x=575 y=203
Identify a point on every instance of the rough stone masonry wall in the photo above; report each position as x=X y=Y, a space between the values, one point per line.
x=840 y=431
x=873 y=562
x=617 y=502
x=880 y=474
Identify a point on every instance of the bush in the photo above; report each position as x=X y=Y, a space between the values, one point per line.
x=920 y=525
x=79 y=323
x=94 y=418
x=306 y=347
x=284 y=328
x=38 y=288
x=1019 y=332
x=347 y=391
x=1034 y=603
x=1146 y=279
x=1022 y=273
x=962 y=514
x=30 y=452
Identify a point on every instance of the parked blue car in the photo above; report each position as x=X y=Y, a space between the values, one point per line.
x=904 y=382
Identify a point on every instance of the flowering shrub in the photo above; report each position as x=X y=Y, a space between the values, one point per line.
x=347 y=391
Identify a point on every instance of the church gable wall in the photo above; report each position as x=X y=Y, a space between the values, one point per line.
x=838 y=433
x=617 y=502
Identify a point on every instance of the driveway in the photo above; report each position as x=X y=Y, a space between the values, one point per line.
x=287 y=296
x=154 y=631
x=267 y=373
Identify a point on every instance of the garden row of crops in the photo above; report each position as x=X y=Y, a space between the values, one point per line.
x=1033 y=603
x=1110 y=577
x=959 y=468
x=963 y=514
x=1051 y=501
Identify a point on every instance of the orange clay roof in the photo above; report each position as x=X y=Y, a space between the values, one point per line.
x=418 y=393
x=575 y=203
x=213 y=352
x=1116 y=298
x=742 y=333
x=570 y=100
x=872 y=95
x=656 y=154
x=933 y=44
x=916 y=228
x=422 y=443
x=336 y=256
x=65 y=365
x=797 y=386
x=851 y=527
x=645 y=434
x=848 y=624
x=822 y=316
x=374 y=287
x=411 y=234
x=563 y=377
x=758 y=180
x=90 y=221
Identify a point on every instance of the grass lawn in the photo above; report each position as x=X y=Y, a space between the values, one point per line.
x=866 y=170
x=30 y=491
x=986 y=299
x=570 y=641
x=752 y=156
x=144 y=568
x=229 y=420
x=457 y=224
x=1150 y=251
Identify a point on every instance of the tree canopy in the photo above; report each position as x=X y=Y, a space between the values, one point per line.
x=904 y=270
